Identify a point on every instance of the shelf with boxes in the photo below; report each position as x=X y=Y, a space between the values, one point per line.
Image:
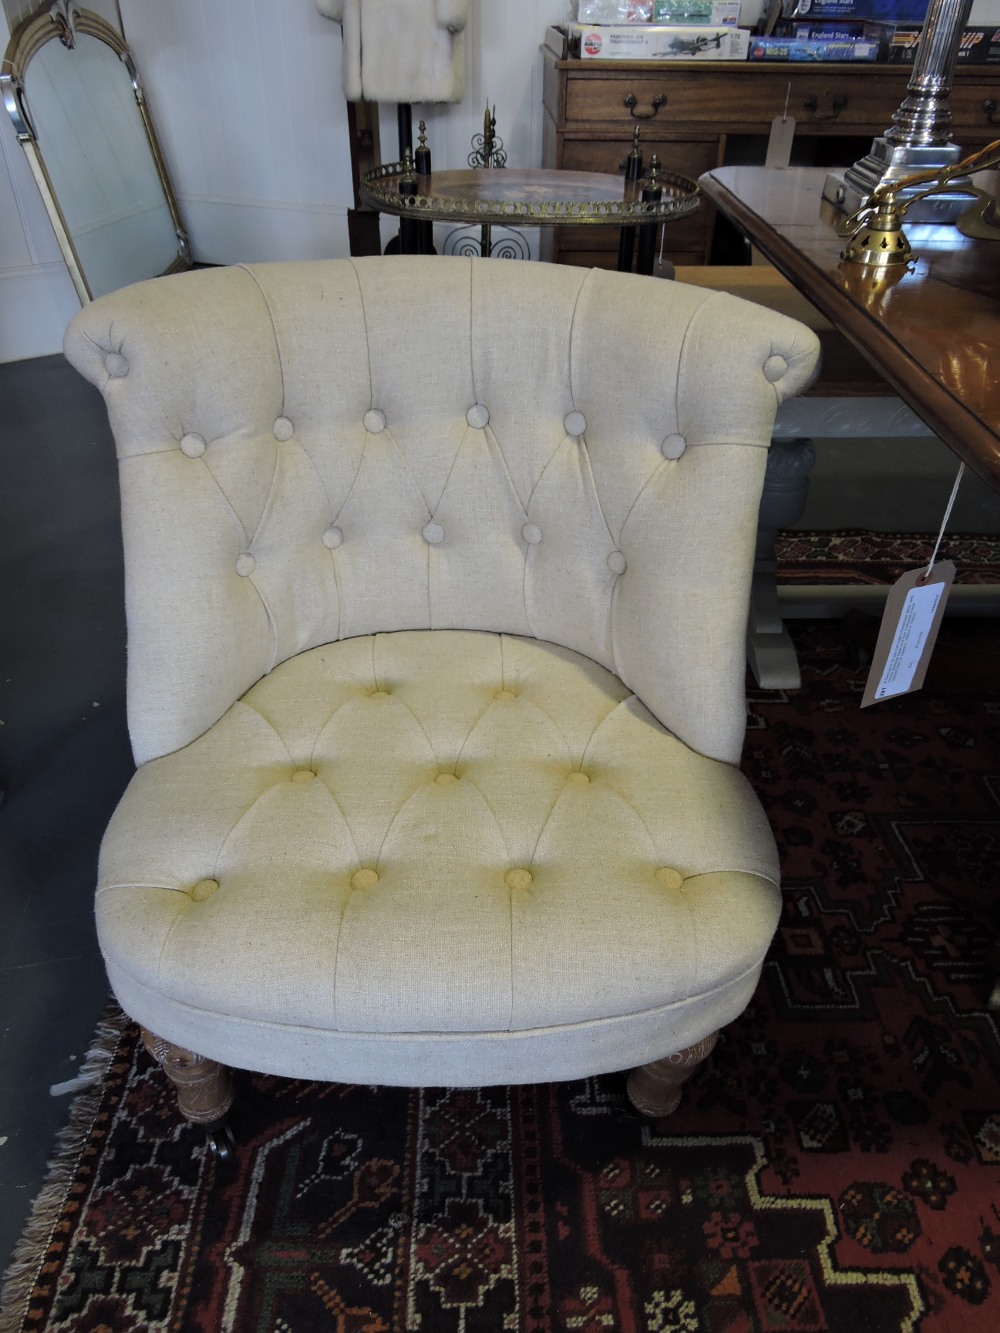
x=699 y=114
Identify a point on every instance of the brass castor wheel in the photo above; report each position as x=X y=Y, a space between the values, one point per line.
x=221 y=1142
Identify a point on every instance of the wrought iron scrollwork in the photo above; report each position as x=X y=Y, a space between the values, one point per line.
x=487 y=148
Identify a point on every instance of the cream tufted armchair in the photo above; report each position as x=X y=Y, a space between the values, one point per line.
x=437 y=575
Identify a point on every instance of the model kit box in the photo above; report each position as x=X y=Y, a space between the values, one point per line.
x=657 y=42
x=687 y=13
x=888 y=11
x=612 y=11
x=846 y=30
x=977 y=46
x=806 y=48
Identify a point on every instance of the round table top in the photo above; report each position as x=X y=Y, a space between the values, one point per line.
x=537 y=197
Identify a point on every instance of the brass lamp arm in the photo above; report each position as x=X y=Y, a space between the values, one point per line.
x=885 y=199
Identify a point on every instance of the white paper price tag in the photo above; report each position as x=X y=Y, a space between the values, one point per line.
x=910 y=625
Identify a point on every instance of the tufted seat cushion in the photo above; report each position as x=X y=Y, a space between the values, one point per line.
x=438 y=833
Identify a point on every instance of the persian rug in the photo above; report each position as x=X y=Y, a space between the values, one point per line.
x=834 y=1166
x=859 y=556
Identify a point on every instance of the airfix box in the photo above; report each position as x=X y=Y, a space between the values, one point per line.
x=657 y=42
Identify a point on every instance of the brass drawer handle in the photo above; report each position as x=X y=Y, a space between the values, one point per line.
x=990 y=106
x=811 y=104
x=631 y=102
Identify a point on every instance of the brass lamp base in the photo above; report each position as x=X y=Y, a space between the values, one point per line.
x=879 y=245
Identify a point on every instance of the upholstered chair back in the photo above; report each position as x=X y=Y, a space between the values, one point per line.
x=316 y=451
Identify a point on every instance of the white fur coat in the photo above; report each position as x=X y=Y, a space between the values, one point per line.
x=401 y=50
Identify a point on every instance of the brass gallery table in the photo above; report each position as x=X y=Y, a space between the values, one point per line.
x=530 y=197
x=933 y=333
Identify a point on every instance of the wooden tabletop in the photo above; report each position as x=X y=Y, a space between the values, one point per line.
x=933 y=332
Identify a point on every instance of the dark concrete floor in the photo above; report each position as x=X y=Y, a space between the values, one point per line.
x=64 y=752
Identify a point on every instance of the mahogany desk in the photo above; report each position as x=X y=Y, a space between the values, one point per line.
x=933 y=333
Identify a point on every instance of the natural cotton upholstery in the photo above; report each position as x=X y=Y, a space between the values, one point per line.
x=437 y=574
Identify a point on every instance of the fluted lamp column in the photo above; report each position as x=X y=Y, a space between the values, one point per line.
x=918 y=138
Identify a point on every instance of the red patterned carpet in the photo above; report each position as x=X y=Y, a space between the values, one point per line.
x=834 y=1166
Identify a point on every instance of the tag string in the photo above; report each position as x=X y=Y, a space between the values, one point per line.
x=944 y=521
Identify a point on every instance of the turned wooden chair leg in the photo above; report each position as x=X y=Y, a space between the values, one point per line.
x=204 y=1087
x=655 y=1089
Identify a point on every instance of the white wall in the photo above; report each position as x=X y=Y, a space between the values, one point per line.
x=246 y=96
x=247 y=101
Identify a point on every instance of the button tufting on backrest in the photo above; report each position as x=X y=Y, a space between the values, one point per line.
x=577 y=779
x=575 y=423
x=478 y=416
x=617 y=563
x=303 y=776
x=116 y=365
x=193 y=445
x=332 y=537
x=245 y=564
x=673 y=446
x=519 y=879
x=283 y=429
x=531 y=533
x=775 y=367
x=433 y=533
x=203 y=889
x=364 y=879
x=505 y=696
x=670 y=878
x=446 y=779
x=374 y=421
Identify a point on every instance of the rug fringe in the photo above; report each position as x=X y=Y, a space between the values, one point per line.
x=29 y=1253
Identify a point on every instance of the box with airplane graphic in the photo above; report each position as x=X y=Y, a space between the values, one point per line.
x=615 y=41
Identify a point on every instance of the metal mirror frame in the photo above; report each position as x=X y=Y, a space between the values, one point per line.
x=62 y=21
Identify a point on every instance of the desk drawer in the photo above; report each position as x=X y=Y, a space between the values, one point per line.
x=831 y=100
x=689 y=158
x=689 y=233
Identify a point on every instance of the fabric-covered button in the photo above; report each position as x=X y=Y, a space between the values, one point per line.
x=303 y=776
x=203 y=889
x=505 y=696
x=283 y=429
x=478 y=416
x=446 y=779
x=578 y=779
x=192 y=445
x=433 y=533
x=531 y=533
x=332 y=537
x=673 y=446
x=575 y=423
x=374 y=421
x=617 y=563
x=774 y=368
x=379 y=695
x=116 y=365
x=519 y=879
x=669 y=877
x=245 y=565
x=364 y=879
